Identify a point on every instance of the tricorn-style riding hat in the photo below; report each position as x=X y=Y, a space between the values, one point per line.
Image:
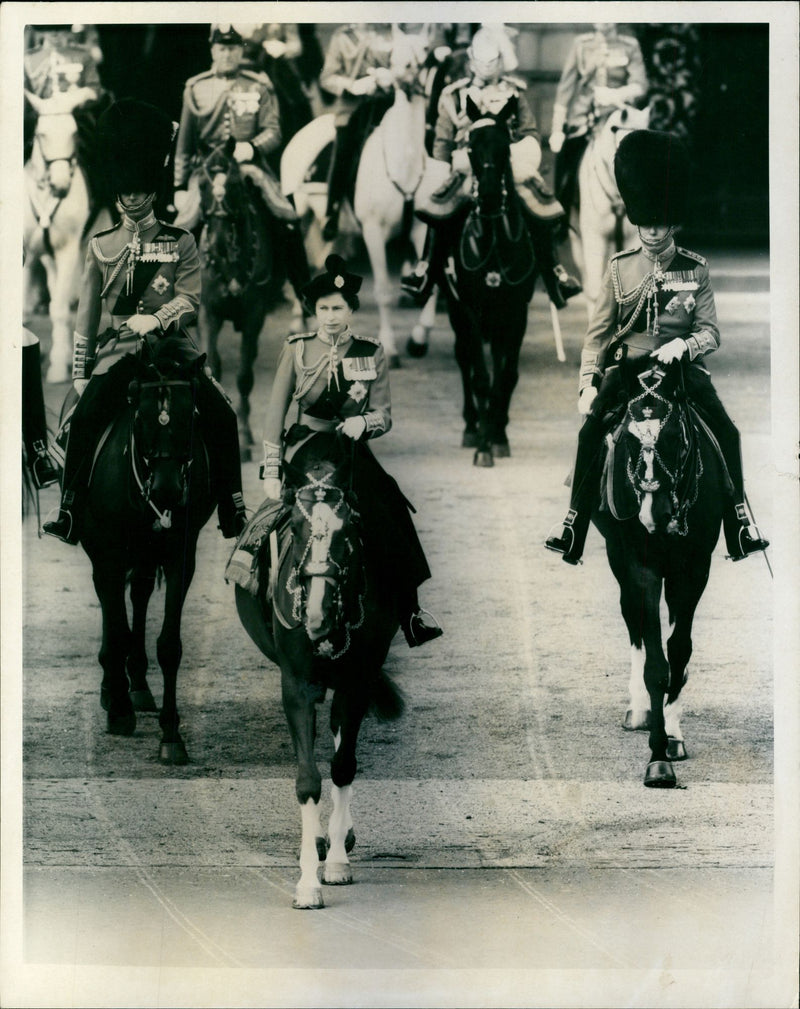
x=134 y=139
x=652 y=170
x=335 y=280
x=225 y=35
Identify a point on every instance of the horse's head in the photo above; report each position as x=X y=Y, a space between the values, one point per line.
x=54 y=141
x=617 y=125
x=489 y=142
x=325 y=545
x=164 y=425
x=226 y=206
x=655 y=434
x=410 y=46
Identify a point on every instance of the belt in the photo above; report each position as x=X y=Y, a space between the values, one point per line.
x=317 y=423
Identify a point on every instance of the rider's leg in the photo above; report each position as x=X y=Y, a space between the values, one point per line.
x=220 y=433
x=96 y=408
x=560 y=286
x=739 y=537
x=429 y=271
x=341 y=167
x=34 y=421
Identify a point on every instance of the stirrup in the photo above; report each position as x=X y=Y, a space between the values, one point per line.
x=63 y=528
x=565 y=543
x=748 y=544
x=418 y=633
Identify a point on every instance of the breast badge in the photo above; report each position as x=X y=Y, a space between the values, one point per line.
x=160 y=285
x=357 y=391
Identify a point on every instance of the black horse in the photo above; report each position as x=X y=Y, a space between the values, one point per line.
x=149 y=497
x=488 y=297
x=322 y=614
x=660 y=513
x=242 y=276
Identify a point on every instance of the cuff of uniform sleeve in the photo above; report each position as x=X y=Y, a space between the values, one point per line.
x=699 y=344
x=375 y=423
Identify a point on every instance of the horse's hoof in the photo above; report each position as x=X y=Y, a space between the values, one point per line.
x=641 y=724
x=484 y=459
x=414 y=349
x=501 y=450
x=173 y=752
x=676 y=750
x=659 y=774
x=308 y=900
x=322 y=848
x=394 y=362
x=143 y=700
x=121 y=725
x=337 y=874
x=350 y=841
x=469 y=439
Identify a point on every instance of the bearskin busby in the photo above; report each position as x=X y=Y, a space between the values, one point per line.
x=134 y=140
x=652 y=171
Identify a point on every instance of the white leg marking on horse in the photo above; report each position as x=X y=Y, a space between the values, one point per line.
x=308 y=893
x=337 y=866
x=672 y=718
x=639 y=699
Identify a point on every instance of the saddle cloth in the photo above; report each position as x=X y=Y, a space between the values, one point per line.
x=244 y=564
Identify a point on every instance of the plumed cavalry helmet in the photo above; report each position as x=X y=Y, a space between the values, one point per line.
x=335 y=280
x=652 y=170
x=225 y=35
x=134 y=140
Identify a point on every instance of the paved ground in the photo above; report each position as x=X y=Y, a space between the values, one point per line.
x=507 y=852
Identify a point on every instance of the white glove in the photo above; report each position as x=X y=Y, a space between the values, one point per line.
x=180 y=199
x=672 y=351
x=460 y=160
x=271 y=487
x=243 y=151
x=80 y=384
x=274 y=48
x=142 y=324
x=440 y=53
x=607 y=96
x=384 y=77
x=353 y=427
x=585 y=399
x=526 y=156
x=364 y=86
x=556 y=142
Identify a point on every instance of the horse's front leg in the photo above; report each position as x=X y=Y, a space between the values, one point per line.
x=108 y=574
x=347 y=714
x=209 y=324
x=375 y=236
x=300 y=698
x=505 y=360
x=420 y=333
x=178 y=571
x=141 y=587
x=60 y=278
x=245 y=377
x=659 y=772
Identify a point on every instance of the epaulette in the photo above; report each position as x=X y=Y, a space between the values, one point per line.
x=292 y=337
x=518 y=82
x=199 y=77
x=626 y=252
x=114 y=227
x=368 y=339
x=173 y=229
x=693 y=255
x=455 y=85
x=254 y=75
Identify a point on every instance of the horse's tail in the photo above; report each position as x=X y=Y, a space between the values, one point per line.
x=387 y=702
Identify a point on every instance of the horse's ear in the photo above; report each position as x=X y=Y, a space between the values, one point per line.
x=510 y=109
x=473 y=111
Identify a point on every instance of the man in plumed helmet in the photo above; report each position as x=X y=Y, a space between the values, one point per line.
x=656 y=298
x=146 y=275
x=229 y=105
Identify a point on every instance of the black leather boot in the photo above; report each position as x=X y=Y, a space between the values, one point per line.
x=417 y=632
x=64 y=527
x=571 y=541
x=739 y=536
x=232 y=515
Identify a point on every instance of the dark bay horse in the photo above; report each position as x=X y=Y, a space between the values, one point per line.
x=149 y=497
x=327 y=621
x=241 y=273
x=661 y=509
x=488 y=297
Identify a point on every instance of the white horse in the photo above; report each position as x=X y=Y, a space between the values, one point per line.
x=392 y=176
x=599 y=227
x=56 y=212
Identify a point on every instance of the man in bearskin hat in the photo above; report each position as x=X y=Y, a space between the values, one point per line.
x=655 y=296
x=146 y=274
x=230 y=104
x=490 y=84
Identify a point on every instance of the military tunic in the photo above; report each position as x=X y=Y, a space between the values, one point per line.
x=215 y=108
x=644 y=304
x=595 y=61
x=352 y=52
x=54 y=69
x=152 y=271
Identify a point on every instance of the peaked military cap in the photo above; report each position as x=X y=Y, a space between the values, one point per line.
x=134 y=140
x=335 y=280
x=225 y=35
x=652 y=170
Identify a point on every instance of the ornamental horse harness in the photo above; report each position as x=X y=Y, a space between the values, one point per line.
x=325 y=509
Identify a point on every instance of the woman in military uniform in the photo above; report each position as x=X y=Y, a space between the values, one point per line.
x=656 y=298
x=146 y=274
x=340 y=381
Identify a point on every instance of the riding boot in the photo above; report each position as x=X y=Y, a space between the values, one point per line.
x=428 y=271
x=560 y=286
x=739 y=538
x=417 y=632
x=338 y=178
x=575 y=527
x=34 y=421
x=220 y=433
x=294 y=250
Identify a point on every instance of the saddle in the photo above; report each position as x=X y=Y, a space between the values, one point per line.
x=251 y=555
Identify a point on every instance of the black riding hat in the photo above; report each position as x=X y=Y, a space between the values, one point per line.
x=134 y=140
x=335 y=280
x=652 y=170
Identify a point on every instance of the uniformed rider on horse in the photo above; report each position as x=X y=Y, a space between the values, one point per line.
x=490 y=85
x=656 y=299
x=228 y=105
x=146 y=274
x=604 y=71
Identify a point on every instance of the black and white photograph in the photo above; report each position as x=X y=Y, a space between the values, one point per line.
x=400 y=505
